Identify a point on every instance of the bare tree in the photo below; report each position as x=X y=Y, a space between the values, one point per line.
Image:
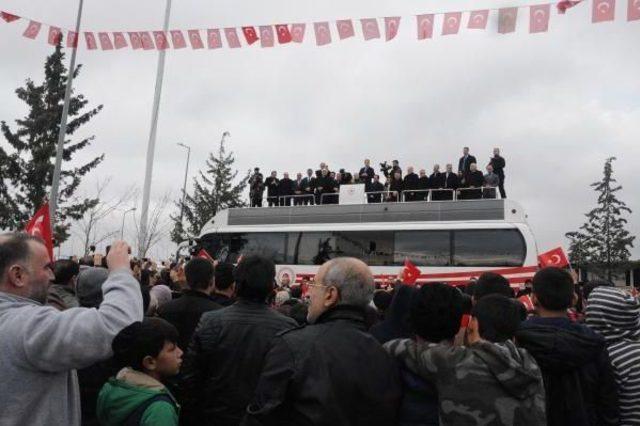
x=89 y=228
x=157 y=228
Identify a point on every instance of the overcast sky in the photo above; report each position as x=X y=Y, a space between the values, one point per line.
x=557 y=103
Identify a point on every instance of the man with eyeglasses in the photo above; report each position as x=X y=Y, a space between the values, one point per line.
x=331 y=372
x=42 y=347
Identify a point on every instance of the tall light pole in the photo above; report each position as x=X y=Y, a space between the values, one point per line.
x=184 y=186
x=62 y=133
x=124 y=215
x=151 y=147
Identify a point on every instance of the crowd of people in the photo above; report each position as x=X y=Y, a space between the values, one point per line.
x=120 y=342
x=322 y=186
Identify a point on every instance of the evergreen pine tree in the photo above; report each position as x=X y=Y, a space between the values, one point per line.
x=603 y=241
x=26 y=173
x=214 y=190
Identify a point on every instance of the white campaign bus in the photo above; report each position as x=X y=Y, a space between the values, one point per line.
x=449 y=241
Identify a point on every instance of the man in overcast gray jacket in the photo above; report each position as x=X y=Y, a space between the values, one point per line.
x=41 y=347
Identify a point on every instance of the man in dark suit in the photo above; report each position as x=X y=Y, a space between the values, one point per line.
x=449 y=183
x=411 y=181
x=308 y=186
x=298 y=190
x=464 y=164
x=498 y=163
x=272 y=188
x=366 y=173
x=435 y=183
x=285 y=190
x=423 y=186
x=475 y=179
x=377 y=187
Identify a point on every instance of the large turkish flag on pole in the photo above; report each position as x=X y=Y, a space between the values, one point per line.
x=40 y=226
x=555 y=257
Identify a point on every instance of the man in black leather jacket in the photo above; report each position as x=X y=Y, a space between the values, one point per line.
x=225 y=358
x=332 y=372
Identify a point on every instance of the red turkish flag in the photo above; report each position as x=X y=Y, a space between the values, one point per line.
x=425 y=26
x=539 y=18
x=8 y=17
x=232 y=38
x=72 y=39
x=297 y=32
x=105 y=41
x=196 y=40
x=162 y=43
x=633 y=10
x=214 y=41
x=178 y=39
x=370 y=28
x=566 y=4
x=90 y=39
x=284 y=35
x=410 y=273
x=507 y=20
x=119 y=41
x=451 y=23
x=136 y=43
x=250 y=35
x=345 y=28
x=603 y=10
x=147 y=41
x=478 y=19
x=204 y=255
x=32 y=30
x=391 y=25
x=266 y=36
x=323 y=34
x=40 y=226
x=55 y=35
x=555 y=257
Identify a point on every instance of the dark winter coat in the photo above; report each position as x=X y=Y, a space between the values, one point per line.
x=578 y=378
x=185 y=312
x=331 y=373
x=222 y=366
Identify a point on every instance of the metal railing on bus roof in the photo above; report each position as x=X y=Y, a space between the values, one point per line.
x=387 y=196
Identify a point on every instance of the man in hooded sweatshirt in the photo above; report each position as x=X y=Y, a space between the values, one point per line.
x=488 y=382
x=615 y=314
x=578 y=379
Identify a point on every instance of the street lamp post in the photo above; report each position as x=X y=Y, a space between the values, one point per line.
x=124 y=215
x=184 y=186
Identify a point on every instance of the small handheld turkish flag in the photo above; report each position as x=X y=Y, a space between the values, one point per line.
x=555 y=257
x=40 y=226
x=410 y=273
x=204 y=255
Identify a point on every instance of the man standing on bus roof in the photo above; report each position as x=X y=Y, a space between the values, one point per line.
x=498 y=164
x=464 y=164
x=272 y=188
x=309 y=185
x=366 y=173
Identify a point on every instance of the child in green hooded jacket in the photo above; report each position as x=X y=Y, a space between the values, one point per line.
x=136 y=396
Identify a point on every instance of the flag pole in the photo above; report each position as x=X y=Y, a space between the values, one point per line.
x=151 y=147
x=57 y=171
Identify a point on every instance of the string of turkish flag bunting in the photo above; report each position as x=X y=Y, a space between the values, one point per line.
x=267 y=35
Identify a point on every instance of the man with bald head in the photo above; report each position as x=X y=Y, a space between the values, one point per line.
x=42 y=347
x=331 y=372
